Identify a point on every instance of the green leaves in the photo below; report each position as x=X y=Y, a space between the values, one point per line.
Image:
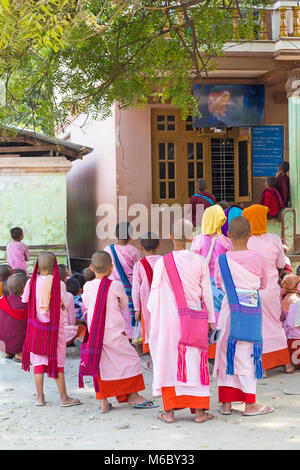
x=58 y=56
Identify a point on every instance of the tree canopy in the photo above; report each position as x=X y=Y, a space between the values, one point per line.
x=63 y=57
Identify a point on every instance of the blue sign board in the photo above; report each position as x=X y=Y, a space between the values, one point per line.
x=267 y=150
x=229 y=105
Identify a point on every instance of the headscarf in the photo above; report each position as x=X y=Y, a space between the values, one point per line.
x=212 y=220
x=257 y=216
x=290 y=283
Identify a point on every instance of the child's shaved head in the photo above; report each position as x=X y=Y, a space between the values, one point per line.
x=239 y=228
x=182 y=230
x=101 y=261
x=15 y=284
x=5 y=272
x=46 y=262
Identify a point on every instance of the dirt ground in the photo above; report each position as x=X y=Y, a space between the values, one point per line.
x=25 y=426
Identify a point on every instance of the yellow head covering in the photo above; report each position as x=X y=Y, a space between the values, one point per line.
x=212 y=220
x=257 y=216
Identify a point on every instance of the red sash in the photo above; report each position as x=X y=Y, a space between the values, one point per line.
x=41 y=338
x=148 y=269
x=18 y=314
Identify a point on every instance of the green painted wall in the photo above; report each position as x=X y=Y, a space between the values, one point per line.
x=37 y=203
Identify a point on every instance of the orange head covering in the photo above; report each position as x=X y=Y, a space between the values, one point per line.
x=257 y=216
x=290 y=283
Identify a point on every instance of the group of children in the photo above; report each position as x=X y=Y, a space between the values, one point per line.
x=213 y=297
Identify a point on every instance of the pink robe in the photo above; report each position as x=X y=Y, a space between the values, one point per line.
x=128 y=255
x=165 y=328
x=270 y=247
x=201 y=245
x=292 y=328
x=248 y=270
x=37 y=360
x=119 y=359
x=70 y=319
x=17 y=255
x=141 y=291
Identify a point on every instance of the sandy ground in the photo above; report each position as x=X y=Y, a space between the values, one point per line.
x=24 y=426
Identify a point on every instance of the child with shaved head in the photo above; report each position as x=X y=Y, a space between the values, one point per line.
x=106 y=353
x=124 y=257
x=182 y=312
x=45 y=343
x=13 y=318
x=241 y=273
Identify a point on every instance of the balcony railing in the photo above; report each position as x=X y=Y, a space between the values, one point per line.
x=279 y=20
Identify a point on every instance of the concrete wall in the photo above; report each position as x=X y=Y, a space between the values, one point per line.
x=90 y=182
x=37 y=203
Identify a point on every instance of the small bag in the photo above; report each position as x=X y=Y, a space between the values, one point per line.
x=137 y=334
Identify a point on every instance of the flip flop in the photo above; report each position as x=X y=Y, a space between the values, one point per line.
x=291 y=392
x=40 y=404
x=260 y=412
x=207 y=417
x=19 y=361
x=144 y=404
x=225 y=413
x=105 y=412
x=73 y=403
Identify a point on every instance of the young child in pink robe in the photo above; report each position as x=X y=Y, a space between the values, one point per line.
x=292 y=331
x=128 y=255
x=269 y=245
x=165 y=329
x=120 y=369
x=40 y=363
x=248 y=271
x=141 y=286
x=17 y=252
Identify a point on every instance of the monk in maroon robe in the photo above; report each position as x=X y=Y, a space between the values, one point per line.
x=13 y=318
x=271 y=198
x=283 y=182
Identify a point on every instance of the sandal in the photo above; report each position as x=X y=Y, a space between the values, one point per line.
x=206 y=417
x=162 y=417
x=147 y=366
x=144 y=404
x=105 y=412
x=263 y=411
x=225 y=413
x=75 y=402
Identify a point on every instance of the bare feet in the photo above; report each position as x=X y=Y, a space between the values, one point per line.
x=202 y=416
x=166 y=416
x=289 y=368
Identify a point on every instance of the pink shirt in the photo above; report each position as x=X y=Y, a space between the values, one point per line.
x=202 y=243
x=70 y=318
x=17 y=255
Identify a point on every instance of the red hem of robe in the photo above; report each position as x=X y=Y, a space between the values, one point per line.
x=173 y=402
x=145 y=345
x=80 y=332
x=212 y=351
x=231 y=394
x=120 y=388
x=43 y=369
x=276 y=359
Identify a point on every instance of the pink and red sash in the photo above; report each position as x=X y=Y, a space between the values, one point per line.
x=91 y=348
x=18 y=314
x=41 y=338
x=193 y=326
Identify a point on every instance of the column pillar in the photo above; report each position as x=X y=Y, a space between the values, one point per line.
x=293 y=94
